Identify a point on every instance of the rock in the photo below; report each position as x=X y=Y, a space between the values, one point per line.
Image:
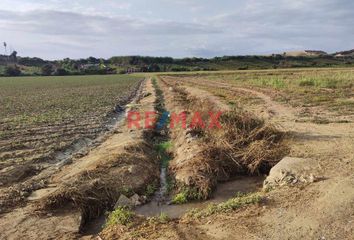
x=189 y=135
x=123 y=201
x=24 y=194
x=119 y=109
x=135 y=199
x=81 y=154
x=64 y=162
x=143 y=199
x=291 y=171
x=146 y=94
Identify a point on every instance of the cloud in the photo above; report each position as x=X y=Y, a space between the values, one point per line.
x=175 y=27
x=50 y=22
x=70 y=31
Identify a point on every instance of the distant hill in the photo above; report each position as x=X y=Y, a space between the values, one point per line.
x=349 y=53
x=128 y=64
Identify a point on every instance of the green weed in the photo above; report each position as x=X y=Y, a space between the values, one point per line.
x=307 y=82
x=240 y=200
x=180 y=198
x=121 y=215
x=150 y=190
x=162 y=149
x=163 y=218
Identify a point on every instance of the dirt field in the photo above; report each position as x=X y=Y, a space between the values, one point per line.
x=297 y=126
x=46 y=121
x=316 y=196
x=323 y=209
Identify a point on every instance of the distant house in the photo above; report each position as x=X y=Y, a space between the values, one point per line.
x=92 y=66
x=349 y=53
x=316 y=53
x=305 y=53
x=132 y=70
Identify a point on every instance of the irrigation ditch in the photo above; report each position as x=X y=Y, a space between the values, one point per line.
x=138 y=174
x=197 y=167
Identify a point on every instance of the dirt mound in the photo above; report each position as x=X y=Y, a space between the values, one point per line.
x=97 y=190
x=245 y=145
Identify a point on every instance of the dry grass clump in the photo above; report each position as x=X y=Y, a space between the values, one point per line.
x=97 y=191
x=245 y=145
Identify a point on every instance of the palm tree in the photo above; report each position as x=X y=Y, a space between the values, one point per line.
x=5 y=46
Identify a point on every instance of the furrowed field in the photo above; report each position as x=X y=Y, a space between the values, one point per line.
x=40 y=115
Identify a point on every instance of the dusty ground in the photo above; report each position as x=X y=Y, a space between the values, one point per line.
x=320 y=209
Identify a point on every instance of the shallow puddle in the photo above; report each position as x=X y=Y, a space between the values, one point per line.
x=224 y=192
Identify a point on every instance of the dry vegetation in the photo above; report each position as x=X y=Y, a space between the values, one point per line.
x=329 y=88
x=96 y=191
x=245 y=145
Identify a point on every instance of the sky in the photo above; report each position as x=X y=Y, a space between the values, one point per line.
x=56 y=29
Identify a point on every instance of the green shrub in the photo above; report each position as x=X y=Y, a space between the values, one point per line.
x=180 y=198
x=163 y=218
x=12 y=71
x=61 y=72
x=271 y=82
x=328 y=83
x=162 y=152
x=47 y=69
x=121 y=215
x=150 y=190
x=277 y=83
x=307 y=82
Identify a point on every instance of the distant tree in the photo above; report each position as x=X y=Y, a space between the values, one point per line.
x=27 y=61
x=154 y=68
x=13 y=57
x=93 y=60
x=61 y=72
x=12 y=71
x=47 y=70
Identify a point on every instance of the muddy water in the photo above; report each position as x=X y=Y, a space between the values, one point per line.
x=161 y=193
x=224 y=192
